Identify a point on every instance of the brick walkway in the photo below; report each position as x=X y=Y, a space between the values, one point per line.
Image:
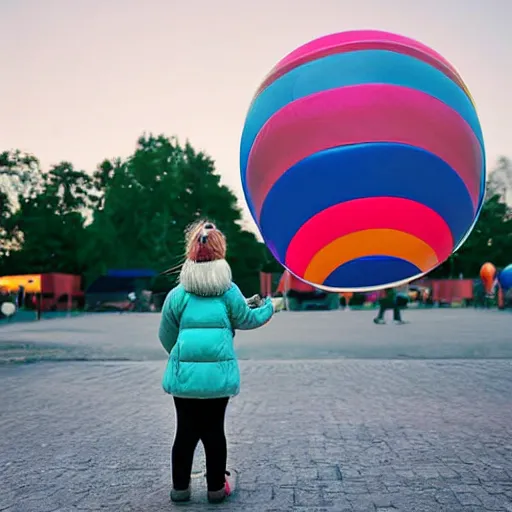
x=328 y=435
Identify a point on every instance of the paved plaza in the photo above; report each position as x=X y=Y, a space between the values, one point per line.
x=431 y=334
x=336 y=414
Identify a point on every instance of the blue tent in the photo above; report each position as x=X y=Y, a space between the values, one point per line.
x=136 y=273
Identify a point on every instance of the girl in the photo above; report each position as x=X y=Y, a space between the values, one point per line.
x=199 y=318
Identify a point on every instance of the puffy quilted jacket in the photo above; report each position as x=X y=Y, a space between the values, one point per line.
x=198 y=332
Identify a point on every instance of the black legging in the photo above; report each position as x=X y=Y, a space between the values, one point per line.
x=200 y=420
x=395 y=305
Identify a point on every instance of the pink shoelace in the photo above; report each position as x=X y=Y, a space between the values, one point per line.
x=227 y=487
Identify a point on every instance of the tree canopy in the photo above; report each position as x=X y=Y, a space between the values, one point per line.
x=132 y=213
x=491 y=238
x=128 y=213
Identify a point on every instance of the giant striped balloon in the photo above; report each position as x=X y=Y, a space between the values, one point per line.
x=362 y=161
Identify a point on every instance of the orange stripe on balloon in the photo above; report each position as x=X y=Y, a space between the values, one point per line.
x=394 y=213
x=371 y=242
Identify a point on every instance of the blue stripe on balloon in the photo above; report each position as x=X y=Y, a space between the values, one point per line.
x=348 y=69
x=371 y=271
x=351 y=172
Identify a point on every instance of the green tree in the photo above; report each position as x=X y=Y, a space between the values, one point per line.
x=491 y=238
x=270 y=264
x=19 y=178
x=47 y=221
x=145 y=203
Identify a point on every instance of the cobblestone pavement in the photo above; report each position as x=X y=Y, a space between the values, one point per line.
x=327 y=435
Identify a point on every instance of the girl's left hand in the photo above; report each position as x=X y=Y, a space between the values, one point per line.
x=255 y=301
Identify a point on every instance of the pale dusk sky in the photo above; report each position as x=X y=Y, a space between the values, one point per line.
x=82 y=79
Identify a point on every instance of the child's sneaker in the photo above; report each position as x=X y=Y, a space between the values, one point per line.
x=379 y=321
x=180 y=496
x=228 y=489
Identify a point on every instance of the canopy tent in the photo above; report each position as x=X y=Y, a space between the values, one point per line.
x=30 y=282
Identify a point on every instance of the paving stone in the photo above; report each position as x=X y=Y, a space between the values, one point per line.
x=328 y=434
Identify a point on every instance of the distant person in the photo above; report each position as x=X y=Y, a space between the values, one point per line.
x=20 y=297
x=4 y=294
x=38 y=301
x=391 y=300
x=198 y=321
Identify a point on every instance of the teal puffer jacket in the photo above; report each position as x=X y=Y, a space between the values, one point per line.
x=198 y=332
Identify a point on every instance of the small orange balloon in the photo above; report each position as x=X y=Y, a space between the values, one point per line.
x=487 y=275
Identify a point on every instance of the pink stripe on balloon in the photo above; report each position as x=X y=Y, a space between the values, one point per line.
x=345 y=42
x=343 y=219
x=354 y=36
x=359 y=114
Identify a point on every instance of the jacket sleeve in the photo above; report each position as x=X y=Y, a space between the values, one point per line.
x=169 y=324
x=242 y=316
